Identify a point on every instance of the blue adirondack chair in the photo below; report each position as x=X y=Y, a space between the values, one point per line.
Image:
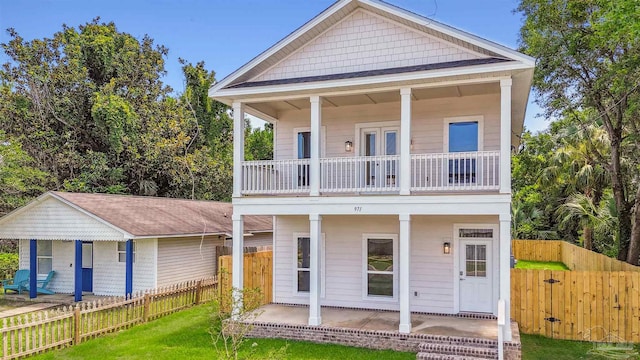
x=17 y=284
x=41 y=285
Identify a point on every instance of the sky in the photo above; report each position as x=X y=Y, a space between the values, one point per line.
x=226 y=34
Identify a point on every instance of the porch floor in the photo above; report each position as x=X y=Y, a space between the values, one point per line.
x=361 y=319
x=58 y=299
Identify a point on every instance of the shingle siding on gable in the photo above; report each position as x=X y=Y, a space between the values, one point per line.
x=54 y=220
x=364 y=41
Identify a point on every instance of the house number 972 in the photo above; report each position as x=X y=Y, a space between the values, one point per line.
x=357 y=209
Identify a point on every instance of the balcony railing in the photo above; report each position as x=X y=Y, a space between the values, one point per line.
x=442 y=172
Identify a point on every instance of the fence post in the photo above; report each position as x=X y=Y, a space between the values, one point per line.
x=76 y=322
x=198 y=292
x=145 y=307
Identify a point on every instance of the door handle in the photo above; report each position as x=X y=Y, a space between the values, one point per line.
x=461 y=279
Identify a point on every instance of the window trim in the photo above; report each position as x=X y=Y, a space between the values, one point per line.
x=365 y=271
x=124 y=252
x=297 y=235
x=458 y=119
x=38 y=257
x=323 y=140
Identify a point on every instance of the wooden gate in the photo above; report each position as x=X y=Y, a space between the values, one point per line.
x=577 y=305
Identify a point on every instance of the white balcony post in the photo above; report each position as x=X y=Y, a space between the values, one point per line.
x=238 y=147
x=237 y=268
x=405 y=141
x=316 y=125
x=404 y=274
x=505 y=270
x=505 y=136
x=315 y=233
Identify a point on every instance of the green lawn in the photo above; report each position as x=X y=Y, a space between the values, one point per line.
x=184 y=336
x=540 y=265
x=536 y=347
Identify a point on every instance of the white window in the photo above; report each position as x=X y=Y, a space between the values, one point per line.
x=380 y=264
x=122 y=251
x=45 y=257
x=302 y=264
x=463 y=135
x=302 y=246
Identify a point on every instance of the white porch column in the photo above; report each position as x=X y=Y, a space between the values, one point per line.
x=238 y=147
x=405 y=141
x=237 y=268
x=315 y=233
x=505 y=136
x=404 y=273
x=316 y=126
x=505 y=270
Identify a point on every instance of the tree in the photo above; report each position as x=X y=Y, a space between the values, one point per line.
x=589 y=59
x=20 y=180
x=90 y=108
x=258 y=142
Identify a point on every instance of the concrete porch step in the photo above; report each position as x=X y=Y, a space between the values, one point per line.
x=454 y=351
x=426 y=356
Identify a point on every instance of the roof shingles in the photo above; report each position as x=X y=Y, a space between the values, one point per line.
x=145 y=216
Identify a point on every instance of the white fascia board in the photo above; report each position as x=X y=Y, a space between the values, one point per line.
x=451 y=31
x=377 y=205
x=371 y=80
x=140 y=237
x=125 y=234
x=279 y=45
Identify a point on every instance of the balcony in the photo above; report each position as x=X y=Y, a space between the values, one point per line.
x=430 y=173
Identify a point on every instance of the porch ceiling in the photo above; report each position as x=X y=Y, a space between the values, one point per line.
x=379 y=97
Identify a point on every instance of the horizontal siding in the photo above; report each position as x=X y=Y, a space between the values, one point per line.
x=183 y=259
x=363 y=41
x=258 y=239
x=53 y=220
x=431 y=271
x=427 y=124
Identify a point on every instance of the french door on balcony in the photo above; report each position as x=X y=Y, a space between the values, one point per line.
x=304 y=152
x=376 y=142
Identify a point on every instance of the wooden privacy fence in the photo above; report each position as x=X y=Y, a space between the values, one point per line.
x=36 y=332
x=577 y=305
x=575 y=257
x=258 y=274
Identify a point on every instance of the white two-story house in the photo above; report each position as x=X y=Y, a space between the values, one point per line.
x=390 y=186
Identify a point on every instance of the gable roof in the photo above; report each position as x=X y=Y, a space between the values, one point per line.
x=146 y=217
x=341 y=9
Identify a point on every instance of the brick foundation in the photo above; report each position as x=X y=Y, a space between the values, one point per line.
x=379 y=340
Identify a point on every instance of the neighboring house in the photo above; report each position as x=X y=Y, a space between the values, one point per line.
x=117 y=244
x=391 y=183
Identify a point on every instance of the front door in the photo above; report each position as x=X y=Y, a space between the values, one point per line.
x=87 y=266
x=476 y=285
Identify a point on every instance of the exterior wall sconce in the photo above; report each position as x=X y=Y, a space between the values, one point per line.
x=348 y=146
x=411 y=146
x=446 y=248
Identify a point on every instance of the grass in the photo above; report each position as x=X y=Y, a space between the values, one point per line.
x=184 y=335
x=540 y=265
x=536 y=347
